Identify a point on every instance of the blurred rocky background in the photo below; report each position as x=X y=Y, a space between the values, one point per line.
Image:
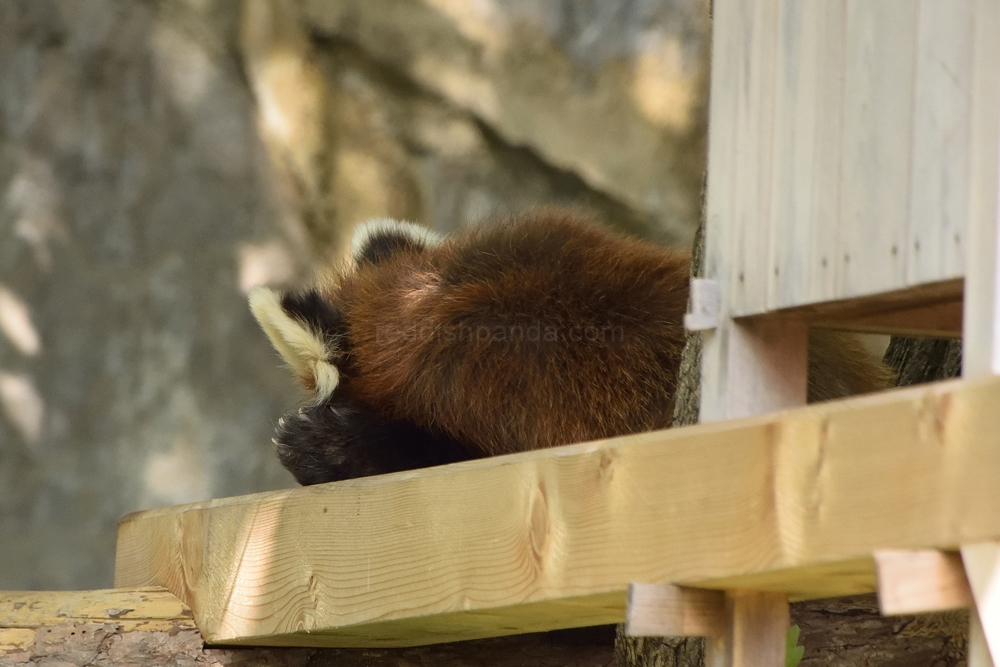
x=160 y=158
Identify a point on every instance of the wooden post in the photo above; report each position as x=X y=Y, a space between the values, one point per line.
x=754 y=366
x=981 y=315
x=757 y=625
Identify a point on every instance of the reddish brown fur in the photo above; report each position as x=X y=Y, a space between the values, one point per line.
x=417 y=324
x=415 y=349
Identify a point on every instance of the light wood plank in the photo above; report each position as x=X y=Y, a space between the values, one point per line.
x=657 y=610
x=940 y=320
x=552 y=539
x=942 y=117
x=747 y=232
x=916 y=582
x=16 y=639
x=807 y=152
x=929 y=309
x=133 y=608
x=878 y=122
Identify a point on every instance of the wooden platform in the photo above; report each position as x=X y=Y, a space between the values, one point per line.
x=25 y=613
x=794 y=502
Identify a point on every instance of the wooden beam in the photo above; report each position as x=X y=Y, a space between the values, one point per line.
x=929 y=309
x=132 y=609
x=937 y=320
x=917 y=582
x=662 y=610
x=551 y=539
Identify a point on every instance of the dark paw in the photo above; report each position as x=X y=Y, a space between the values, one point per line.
x=342 y=439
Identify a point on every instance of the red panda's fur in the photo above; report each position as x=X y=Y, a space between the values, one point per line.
x=537 y=331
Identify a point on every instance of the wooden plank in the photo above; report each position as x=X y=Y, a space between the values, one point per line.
x=551 y=539
x=916 y=582
x=746 y=234
x=878 y=120
x=981 y=315
x=807 y=151
x=939 y=320
x=942 y=116
x=16 y=639
x=658 y=610
x=133 y=608
x=928 y=309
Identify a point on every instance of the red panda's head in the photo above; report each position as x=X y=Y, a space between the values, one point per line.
x=307 y=329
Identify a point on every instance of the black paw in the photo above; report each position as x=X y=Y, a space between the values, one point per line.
x=342 y=439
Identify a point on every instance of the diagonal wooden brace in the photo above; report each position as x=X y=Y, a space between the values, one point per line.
x=982 y=567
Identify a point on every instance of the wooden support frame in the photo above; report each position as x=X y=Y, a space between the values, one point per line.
x=917 y=582
x=793 y=503
x=655 y=610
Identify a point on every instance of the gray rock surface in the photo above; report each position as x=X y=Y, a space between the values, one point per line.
x=160 y=157
x=135 y=199
x=614 y=92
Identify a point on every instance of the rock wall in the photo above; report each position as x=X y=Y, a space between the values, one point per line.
x=159 y=158
x=136 y=208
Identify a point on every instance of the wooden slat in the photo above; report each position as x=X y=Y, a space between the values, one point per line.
x=747 y=233
x=662 y=610
x=878 y=120
x=807 y=151
x=133 y=608
x=916 y=582
x=552 y=539
x=928 y=309
x=939 y=320
x=841 y=148
x=942 y=116
x=981 y=314
x=16 y=639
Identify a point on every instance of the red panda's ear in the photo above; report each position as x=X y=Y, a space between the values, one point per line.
x=306 y=350
x=377 y=240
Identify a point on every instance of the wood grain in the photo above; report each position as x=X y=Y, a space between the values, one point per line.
x=916 y=582
x=658 y=610
x=552 y=539
x=844 y=154
x=133 y=609
x=755 y=637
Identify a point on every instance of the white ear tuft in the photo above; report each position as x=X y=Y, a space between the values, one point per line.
x=419 y=234
x=301 y=348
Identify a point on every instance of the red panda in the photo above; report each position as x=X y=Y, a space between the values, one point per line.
x=538 y=330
